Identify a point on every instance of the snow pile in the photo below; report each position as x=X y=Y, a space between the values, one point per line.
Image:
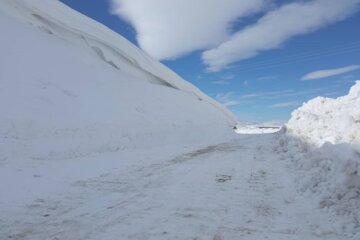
x=70 y=88
x=329 y=120
x=329 y=175
x=322 y=143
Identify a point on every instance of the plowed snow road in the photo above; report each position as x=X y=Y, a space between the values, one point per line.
x=236 y=190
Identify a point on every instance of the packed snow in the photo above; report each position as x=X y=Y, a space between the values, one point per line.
x=67 y=79
x=323 y=143
x=100 y=141
x=77 y=100
x=329 y=120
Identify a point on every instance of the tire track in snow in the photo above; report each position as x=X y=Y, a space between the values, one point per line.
x=234 y=190
x=70 y=210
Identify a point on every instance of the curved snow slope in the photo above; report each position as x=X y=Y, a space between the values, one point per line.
x=329 y=120
x=70 y=87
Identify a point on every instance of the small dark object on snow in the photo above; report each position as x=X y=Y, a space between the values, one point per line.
x=222 y=178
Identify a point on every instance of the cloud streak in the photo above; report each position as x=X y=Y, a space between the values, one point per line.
x=276 y=27
x=329 y=72
x=284 y=105
x=232 y=99
x=224 y=80
x=227 y=99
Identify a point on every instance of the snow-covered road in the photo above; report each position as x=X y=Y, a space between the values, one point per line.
x=235 y=190
x=99 y=141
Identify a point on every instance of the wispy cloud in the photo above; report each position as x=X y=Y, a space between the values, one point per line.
x=224 y=80
x=250 y=96
x=227 y=99
x=329 y=72
x=276 y=27
x=232 y=99
x=267 y=95
x=220 y=82
x=293 y=93
x=284 y=104
x=267 y=78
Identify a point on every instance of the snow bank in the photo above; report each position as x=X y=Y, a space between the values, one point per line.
x=77 y=101
x=329 y=120
x=70 y=88
x=329 y=175
x=322 y=143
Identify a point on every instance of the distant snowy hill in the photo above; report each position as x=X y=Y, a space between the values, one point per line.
x=70 y=87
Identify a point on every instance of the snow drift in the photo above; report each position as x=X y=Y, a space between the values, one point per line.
x=70 y=87
x=329 y=120
x=323 y=143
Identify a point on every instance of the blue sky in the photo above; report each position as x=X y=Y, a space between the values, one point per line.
x=253 y=56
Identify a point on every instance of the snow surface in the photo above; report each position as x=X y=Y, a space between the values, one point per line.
x=78 y=100
x=323 y=143
x=66 y=79
x=329 y=120
x=256 y=129
x=235 y=190
x=99 y=141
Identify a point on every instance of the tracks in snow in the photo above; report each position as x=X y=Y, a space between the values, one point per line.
x=235 y=190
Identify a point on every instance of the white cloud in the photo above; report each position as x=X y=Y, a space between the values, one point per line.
x=284 y=104
x=330 y=72
x=309 y=93
x=276 y=27
x=169 y=29
x=267 y=78
x=224 y=80
x=229 y=77
x=266 y=95
x=232 y=99
x=227 y=99
x=220 y=82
